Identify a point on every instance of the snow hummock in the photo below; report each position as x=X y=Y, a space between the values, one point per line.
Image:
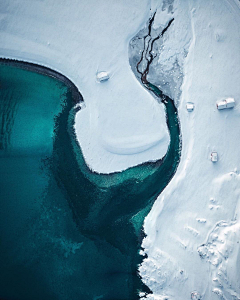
x=193 y=229
x=121 y=125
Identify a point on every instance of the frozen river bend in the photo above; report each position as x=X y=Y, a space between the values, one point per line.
x=45 y=183
x=193 y=228
x=124 y=126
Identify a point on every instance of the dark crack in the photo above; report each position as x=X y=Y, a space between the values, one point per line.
x=148 y=51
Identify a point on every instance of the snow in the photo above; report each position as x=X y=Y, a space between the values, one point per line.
x=193 y=229
x=193 y=232
x=121 y=125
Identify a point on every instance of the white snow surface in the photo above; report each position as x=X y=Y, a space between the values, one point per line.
x=122 y=125
x=193 y=229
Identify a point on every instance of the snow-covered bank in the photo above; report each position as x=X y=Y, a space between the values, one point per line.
x=192 y=230
x=78 y=39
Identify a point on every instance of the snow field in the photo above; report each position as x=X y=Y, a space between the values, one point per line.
x=203 y=198
x=122 y=125
x=193 y=227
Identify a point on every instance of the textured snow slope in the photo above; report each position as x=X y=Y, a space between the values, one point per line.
x=194 y=227
x=122 y=125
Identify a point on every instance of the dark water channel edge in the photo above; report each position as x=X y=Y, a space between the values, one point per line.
x=44 y=253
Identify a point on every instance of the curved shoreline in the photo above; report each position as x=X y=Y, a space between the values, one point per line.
x=40 y=69
x=105 y=207
x=78 y=98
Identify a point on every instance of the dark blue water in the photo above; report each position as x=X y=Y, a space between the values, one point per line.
x=66 y=232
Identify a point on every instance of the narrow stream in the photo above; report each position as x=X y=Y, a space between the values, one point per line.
x=67 y=232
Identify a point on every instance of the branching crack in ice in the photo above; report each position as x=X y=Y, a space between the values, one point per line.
x=142 y=67
x=149 y=53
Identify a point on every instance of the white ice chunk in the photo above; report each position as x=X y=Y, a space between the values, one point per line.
x=226 y=103
x=102 y=76
x=190 y=106
x=214 y=156
x=221 y=104
x=230 y=102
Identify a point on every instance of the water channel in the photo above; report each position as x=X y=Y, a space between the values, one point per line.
x=65 y=231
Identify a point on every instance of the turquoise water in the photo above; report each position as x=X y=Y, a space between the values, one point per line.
x=66 y=232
